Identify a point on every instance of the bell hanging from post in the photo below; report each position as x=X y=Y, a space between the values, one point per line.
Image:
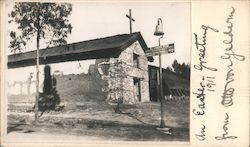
x=159 y=28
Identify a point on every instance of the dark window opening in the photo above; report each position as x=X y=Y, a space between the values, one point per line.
x=136 y=60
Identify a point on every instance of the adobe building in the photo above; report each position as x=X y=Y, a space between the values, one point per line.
x=120 y=61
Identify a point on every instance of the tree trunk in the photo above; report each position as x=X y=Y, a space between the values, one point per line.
x=37 y=68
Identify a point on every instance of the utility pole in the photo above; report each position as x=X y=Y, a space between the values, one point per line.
x=130 y=20
x=158 y=51
x=162 y=125
x=159 y=32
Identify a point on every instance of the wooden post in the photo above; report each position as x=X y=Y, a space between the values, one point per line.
x=21 y=88
x=162 y=125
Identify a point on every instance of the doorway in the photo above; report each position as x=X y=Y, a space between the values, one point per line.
x=137 y=89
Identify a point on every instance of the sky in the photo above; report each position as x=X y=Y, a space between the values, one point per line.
x=101 y=20
x=98 y=20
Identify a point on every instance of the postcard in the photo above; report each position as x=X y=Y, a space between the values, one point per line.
x=123 y=73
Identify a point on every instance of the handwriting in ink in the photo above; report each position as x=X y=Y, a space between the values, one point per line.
x=202 y=134
x=228 y=93
x=229 y=42
x=202 y=49
x=201 y=96
x=210 y=83
x=225 y=128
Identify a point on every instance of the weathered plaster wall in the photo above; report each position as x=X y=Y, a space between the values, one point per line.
x=117 y=81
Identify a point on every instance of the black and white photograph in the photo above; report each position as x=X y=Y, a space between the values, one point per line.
x=97 y=72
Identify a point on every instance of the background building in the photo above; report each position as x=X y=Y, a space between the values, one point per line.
x=174 y=86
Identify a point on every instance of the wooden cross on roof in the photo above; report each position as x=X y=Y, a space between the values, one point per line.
x=130 y=20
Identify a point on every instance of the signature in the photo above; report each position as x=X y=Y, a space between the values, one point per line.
x=225 y=128
x=202 y=49
x=227 y=95
x=201 y=136
x=201 y=96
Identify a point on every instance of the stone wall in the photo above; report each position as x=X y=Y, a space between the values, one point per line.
x=121 y=75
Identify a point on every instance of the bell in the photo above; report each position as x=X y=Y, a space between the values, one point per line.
x=159 y=28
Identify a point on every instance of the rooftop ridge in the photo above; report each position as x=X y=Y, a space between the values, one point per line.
x=74 y=43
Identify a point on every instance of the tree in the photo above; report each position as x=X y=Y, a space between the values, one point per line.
x=42 y=21
x=182 y=69
x=169 y=68
x=49 y=99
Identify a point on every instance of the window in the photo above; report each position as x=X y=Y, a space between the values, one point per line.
x=135 y=60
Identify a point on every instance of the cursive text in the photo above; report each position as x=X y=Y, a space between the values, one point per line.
x=225 y=128
x=202 y=134
x=228 y=93
x=200 y=94
x=201 y=46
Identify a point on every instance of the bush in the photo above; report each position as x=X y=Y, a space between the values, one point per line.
x=48 y=101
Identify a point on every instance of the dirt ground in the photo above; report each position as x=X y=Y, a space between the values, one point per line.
x=98 y=121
